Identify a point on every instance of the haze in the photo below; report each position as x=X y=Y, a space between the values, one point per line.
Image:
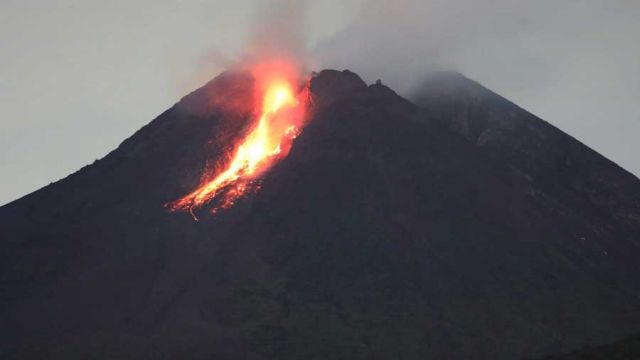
x=78 y=77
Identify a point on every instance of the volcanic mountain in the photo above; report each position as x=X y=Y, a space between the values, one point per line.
x=454 y=225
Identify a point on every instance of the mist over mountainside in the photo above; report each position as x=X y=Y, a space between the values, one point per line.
x=452 y=226
x=625 y=349
x=558 y=167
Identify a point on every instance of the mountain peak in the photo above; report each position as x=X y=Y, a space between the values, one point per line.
x=391 y=230
x=330 y=85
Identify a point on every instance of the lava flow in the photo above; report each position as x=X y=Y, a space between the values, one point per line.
x=279 y=121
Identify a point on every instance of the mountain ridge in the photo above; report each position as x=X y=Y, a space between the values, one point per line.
x=384 y=234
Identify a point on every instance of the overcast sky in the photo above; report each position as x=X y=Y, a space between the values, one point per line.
x=78 y=77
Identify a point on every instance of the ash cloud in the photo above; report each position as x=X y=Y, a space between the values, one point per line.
x=279 y=30
x=573 y=63
x=396 y=40
x=276 y=30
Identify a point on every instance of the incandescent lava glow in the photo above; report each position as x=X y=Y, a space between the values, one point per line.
x=279 y=119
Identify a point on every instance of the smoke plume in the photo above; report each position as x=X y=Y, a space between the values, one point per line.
x=573 y=63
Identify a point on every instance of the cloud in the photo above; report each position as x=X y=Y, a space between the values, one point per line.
x=573 y=63
x=521 y=39
x=279 y=30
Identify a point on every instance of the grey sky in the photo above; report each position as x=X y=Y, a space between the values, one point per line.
x=78 y=77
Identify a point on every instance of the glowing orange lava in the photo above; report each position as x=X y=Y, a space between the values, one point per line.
x=278 y=122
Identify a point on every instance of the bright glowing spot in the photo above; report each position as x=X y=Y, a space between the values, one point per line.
x=279 y=121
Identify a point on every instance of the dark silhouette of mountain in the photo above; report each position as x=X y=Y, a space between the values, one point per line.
x=627 y=349
x=458 y=228
x=555 y=165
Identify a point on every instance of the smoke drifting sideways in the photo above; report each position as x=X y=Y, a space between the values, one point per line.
x=400 y=39
x=278 y=33
x=573 y=63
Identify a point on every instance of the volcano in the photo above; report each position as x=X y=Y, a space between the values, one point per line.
x=449 y=225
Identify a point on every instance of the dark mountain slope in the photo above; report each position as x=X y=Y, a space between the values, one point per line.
x=90 y=263
x=627 y=349
x=382 y=235
x=557 y=166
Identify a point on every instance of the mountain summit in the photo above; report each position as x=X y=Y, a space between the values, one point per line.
x=453 y=225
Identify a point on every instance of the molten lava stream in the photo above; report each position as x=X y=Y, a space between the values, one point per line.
x=279 y=122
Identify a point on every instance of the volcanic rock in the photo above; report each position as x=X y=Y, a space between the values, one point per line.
x=456 y=226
